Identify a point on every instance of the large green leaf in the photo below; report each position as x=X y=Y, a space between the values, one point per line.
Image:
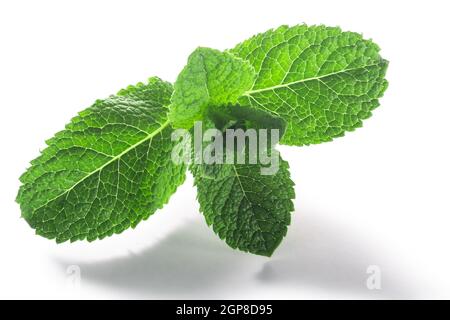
x=320 y=80
x=108 y=170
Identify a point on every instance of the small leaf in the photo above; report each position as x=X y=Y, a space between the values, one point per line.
x=210 y=78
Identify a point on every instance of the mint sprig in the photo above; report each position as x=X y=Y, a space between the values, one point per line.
x=111 y=167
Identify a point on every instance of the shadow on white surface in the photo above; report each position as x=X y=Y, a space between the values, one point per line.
x=327 y=257
x=185 y=263
x=189 y=264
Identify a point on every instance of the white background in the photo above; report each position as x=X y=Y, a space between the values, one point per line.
x=378 y=196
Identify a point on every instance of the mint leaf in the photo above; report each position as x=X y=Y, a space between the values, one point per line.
x=234 y=118
x=108 y=170
x=201 y=168
x=210 y=78
x=238 y=116
x=248 y=210
x=320 y=80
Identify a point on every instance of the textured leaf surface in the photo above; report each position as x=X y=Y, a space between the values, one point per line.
x=238 y=116
x=320 y=80
x=234 y=118
x=248 y=210
x=210 y=78
x=108 y=170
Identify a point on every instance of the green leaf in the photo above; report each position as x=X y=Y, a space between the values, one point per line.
x=210 y=78
x=238 y=116
x=320 y=80
x=248 y=210
x=108 y=170
x=234 y=118
x=199 y=167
